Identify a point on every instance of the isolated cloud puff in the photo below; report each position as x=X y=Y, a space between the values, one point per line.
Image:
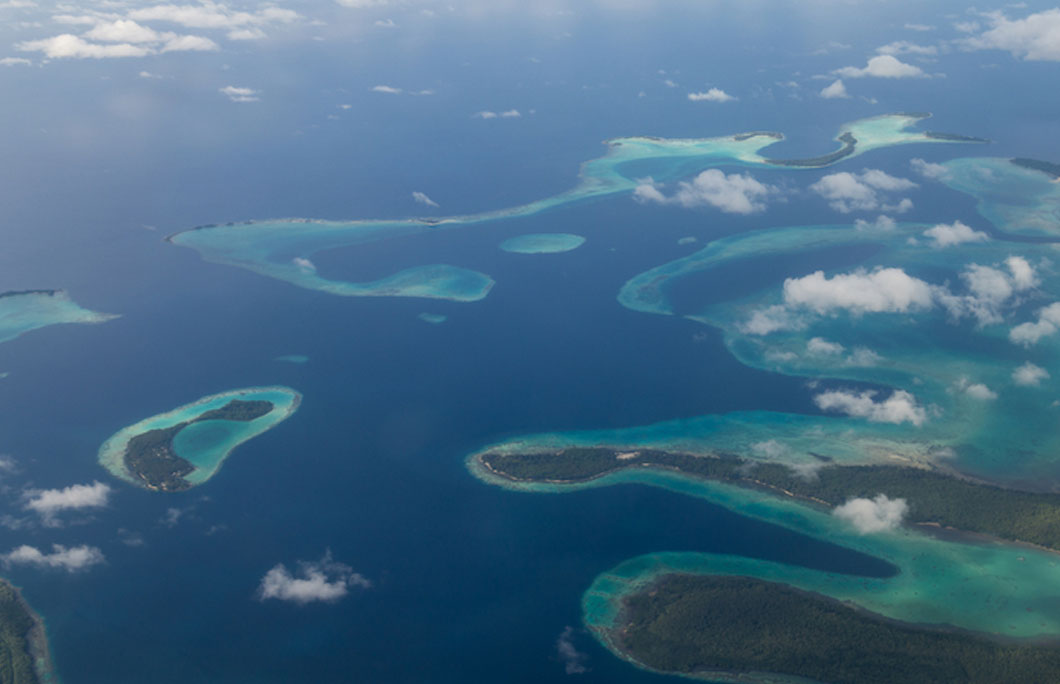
x=304 y=264
x=712 y=95
x=70 y=559
x=900 y=407
x=324 y=580
x=835 y=91
x=573 y=660
x=818 y=346
x=956 y=233
x=1029 y=375
x=975 y=390
x=889 y=290
x=1036 y=37
x=422 y=198
x=733 y=193
x=772 y=319
x=238 y=94
x=882 y=66
x=882 y=224
x=847 y=192
x=1030 y=333
x=49 y=502
x=929 y=169
x=868 y=516
x=904 y=47
x=390 y=90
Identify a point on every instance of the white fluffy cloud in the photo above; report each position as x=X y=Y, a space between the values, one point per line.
x=835 y=91
x=390 y=90
x=771 y=319
x=422 y=198
x=818 y=346
x=882 y=66
x=882 y=290
x=900 y=407
x=69 y=46
x=712 y=95
x=949 y=234
x=928 y=169
x=15 y=61
x=49 y=502
x=237 y=94
x=1035 y=37
x=70 y=559
x=880 y=514
x=323 y=580
x=989 y=289
x=975 y=390
x=733 y=193
x=1031 y=332
x=847 y=192
x=1029 y=375
x=573 y=660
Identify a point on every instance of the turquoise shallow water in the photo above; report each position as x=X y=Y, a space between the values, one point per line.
x=22 y=312
x=543 y=243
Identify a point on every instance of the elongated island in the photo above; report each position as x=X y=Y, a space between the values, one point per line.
x=24 y=655
x=185 y=447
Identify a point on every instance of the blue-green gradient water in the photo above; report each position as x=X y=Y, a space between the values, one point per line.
x=470 y=582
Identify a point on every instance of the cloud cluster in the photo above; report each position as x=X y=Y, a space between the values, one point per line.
x=956 y=233
x=900 y=407
x=835 y=352
x=1029 y=375
x=929 y=169
x=868 y=516
x=733 y=193
x=324 y=580
x=881 y=290
x=1030 y=333
x=115 y=35
x=50 y=502
x=990 y=288
x=573 y=660
x=847 y=192
x=712 y=95
x=70 y=559
x=1036 y=37
x=882 y=66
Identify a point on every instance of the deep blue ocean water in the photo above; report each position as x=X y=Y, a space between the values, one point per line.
x=471 y=583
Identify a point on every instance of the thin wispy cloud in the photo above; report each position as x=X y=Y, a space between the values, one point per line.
x=239 y=94
x=70 y=559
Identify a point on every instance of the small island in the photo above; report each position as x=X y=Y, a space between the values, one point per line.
x=738 y=629
x=543 y=243
x=937 y=500
x=1050 y=169
x=183 y=448
x=24 y=655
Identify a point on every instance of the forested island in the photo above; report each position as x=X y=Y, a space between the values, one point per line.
x=850 y=144
x=24 y=655
x=1049 y=168
x=721 y=627
x=150 y=456
x=934 y=498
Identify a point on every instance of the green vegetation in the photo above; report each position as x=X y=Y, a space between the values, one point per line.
x=933 y=497
x=850 y=143
x=1049 y=168
x=150 y=455
x=701 y=624
x=16 y=624
x=18 y=293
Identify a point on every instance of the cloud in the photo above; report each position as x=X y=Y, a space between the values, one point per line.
x=49 y=502
x=246 y=34
x=573 y=660
x=882 y=224
x=1036 y=37
x=928 y=169
x=900 y=407
x=511 y=114
x=881 y=290
x=771 y=319
x=190 y=44
x=818 y=346
x=1047 y=324
x=390 y=90
x=712 y=95
x=485 y=115
x=882 y=66
x=956 y=233
x=919 y=27
x=324 y=580
x=847 y=192
x=422 y=198
x=358 y=4
x=237 y=94
x=868 y=516
x=904 y=47
x=15 y=61
x=210 y=15
x=835 y=91
x=975 y=390
x=1029 y=375
x=70 y=559
x=732 y=194
x=69 y=46
x=123 y=31
x=385 y=23
x=989 y=289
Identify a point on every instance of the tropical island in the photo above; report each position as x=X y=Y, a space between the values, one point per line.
x=740 y=629
x=24 y=656
x=180 y=449
x=1048 y=168
x=937 y=500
